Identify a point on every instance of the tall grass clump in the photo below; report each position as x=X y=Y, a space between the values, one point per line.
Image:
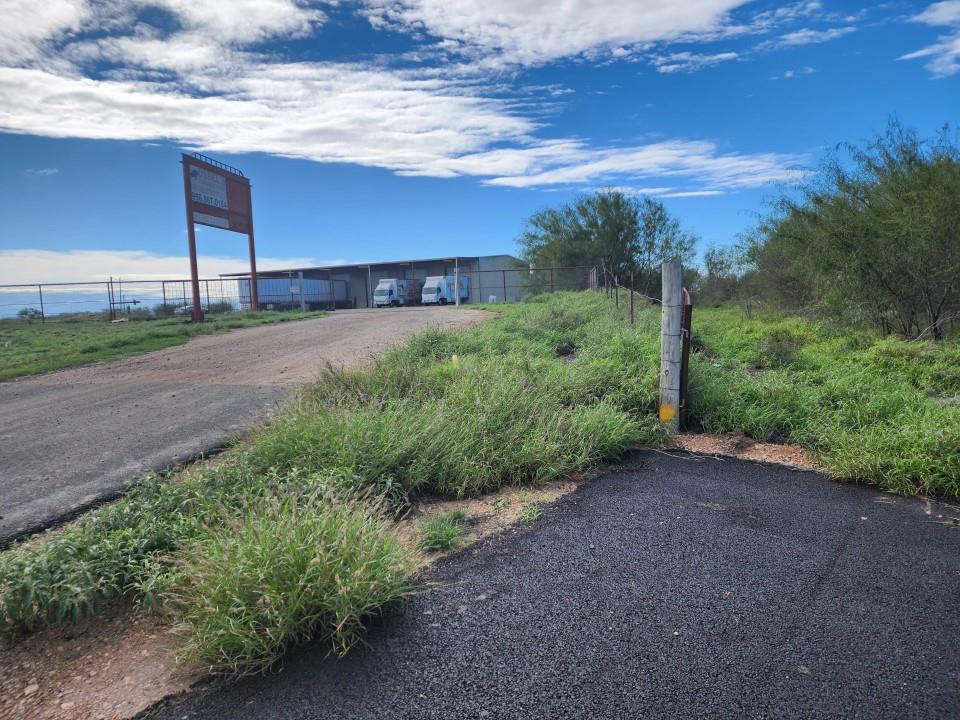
x=287 y=569
x=444 y=531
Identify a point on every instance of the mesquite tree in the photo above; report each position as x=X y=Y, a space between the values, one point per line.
x=874 y=236
x=622 y=235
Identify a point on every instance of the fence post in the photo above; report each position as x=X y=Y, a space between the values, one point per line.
x=685 y=325
x=504 y=286
x=43 y=315
x=616 y=292
x=631 y=297
x=303 y=301
x=670 y=331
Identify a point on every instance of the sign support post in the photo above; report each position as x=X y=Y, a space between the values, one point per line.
x=254 y=296
x=217 y=195
x=197 y=312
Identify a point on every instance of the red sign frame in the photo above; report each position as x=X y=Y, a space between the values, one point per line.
x=219 y=196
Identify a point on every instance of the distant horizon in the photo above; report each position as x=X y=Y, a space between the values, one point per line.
x=383 y=129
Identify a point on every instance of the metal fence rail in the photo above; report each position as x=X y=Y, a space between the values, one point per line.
x=162 y=298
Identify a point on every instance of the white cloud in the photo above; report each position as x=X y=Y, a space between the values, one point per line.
x=808 y=36
x=693 y=193
x=41 y=172
x=945 y=53
x=528 y=32
x=789 y=74
x=25 y=265
x=28 y=23
x=941 y=13
x=200 y=81
x=699 y=161
x=689 y=62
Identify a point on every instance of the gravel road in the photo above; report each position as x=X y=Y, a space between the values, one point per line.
x=75 y=437
x=675 y=587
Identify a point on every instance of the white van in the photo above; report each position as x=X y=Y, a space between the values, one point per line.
x=392 y=292
x=440 y=289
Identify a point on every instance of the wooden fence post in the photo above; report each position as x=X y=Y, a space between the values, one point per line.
x=670 y=343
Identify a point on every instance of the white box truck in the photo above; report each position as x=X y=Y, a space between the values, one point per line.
x=392 y=292
x=440 y=289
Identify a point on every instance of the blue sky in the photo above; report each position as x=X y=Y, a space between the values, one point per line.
x=382 y=129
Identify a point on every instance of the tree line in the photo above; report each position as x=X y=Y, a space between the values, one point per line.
x=870 y=238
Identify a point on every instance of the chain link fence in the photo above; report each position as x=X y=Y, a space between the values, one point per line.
x=117 y=298
x=165 y=298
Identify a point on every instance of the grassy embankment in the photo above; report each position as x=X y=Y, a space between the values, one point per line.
x=281 y=541
x=30 y=348
x=880 y=411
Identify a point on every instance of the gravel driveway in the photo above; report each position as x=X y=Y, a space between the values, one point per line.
x=76 y=437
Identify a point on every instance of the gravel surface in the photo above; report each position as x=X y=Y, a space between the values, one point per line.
x=675 y=587
x=76 y=437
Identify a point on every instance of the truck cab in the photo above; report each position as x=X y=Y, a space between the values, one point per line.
x=386 y=294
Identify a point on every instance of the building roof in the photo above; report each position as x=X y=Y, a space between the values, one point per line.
x=357 y=266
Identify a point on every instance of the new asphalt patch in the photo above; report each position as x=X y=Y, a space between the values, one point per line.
x=674 y=587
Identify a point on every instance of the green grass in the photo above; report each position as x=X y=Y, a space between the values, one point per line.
x=285 y=569
x=877 y=410
x=531 y=513
x=547 y=389
x=29 y=348
x=444 y=531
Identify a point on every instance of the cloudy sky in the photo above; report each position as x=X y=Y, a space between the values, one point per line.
x=378 y=129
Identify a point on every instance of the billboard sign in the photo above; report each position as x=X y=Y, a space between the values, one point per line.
x=219 y=196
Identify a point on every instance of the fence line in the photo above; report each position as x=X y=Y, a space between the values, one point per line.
x=116 y=297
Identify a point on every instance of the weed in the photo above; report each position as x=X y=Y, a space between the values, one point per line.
x=443 y=531
x=531 y=513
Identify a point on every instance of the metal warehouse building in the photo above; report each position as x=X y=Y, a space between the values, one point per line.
x=495 y=278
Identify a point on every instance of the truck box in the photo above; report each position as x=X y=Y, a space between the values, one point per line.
x=393 y=292
x=440 y=289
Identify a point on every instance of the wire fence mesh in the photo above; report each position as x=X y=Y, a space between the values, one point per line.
x=118 y=298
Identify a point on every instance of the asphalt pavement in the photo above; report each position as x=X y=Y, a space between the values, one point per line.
x=77 y=437
x=672 y=587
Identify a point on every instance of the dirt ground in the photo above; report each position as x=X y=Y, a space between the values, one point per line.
x=738 y=445
x=78 y=436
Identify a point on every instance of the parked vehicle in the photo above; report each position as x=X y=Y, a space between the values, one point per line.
x=392 y=292
x=441 y=289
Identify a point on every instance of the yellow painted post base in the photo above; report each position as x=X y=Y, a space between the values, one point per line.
x=667 y=412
